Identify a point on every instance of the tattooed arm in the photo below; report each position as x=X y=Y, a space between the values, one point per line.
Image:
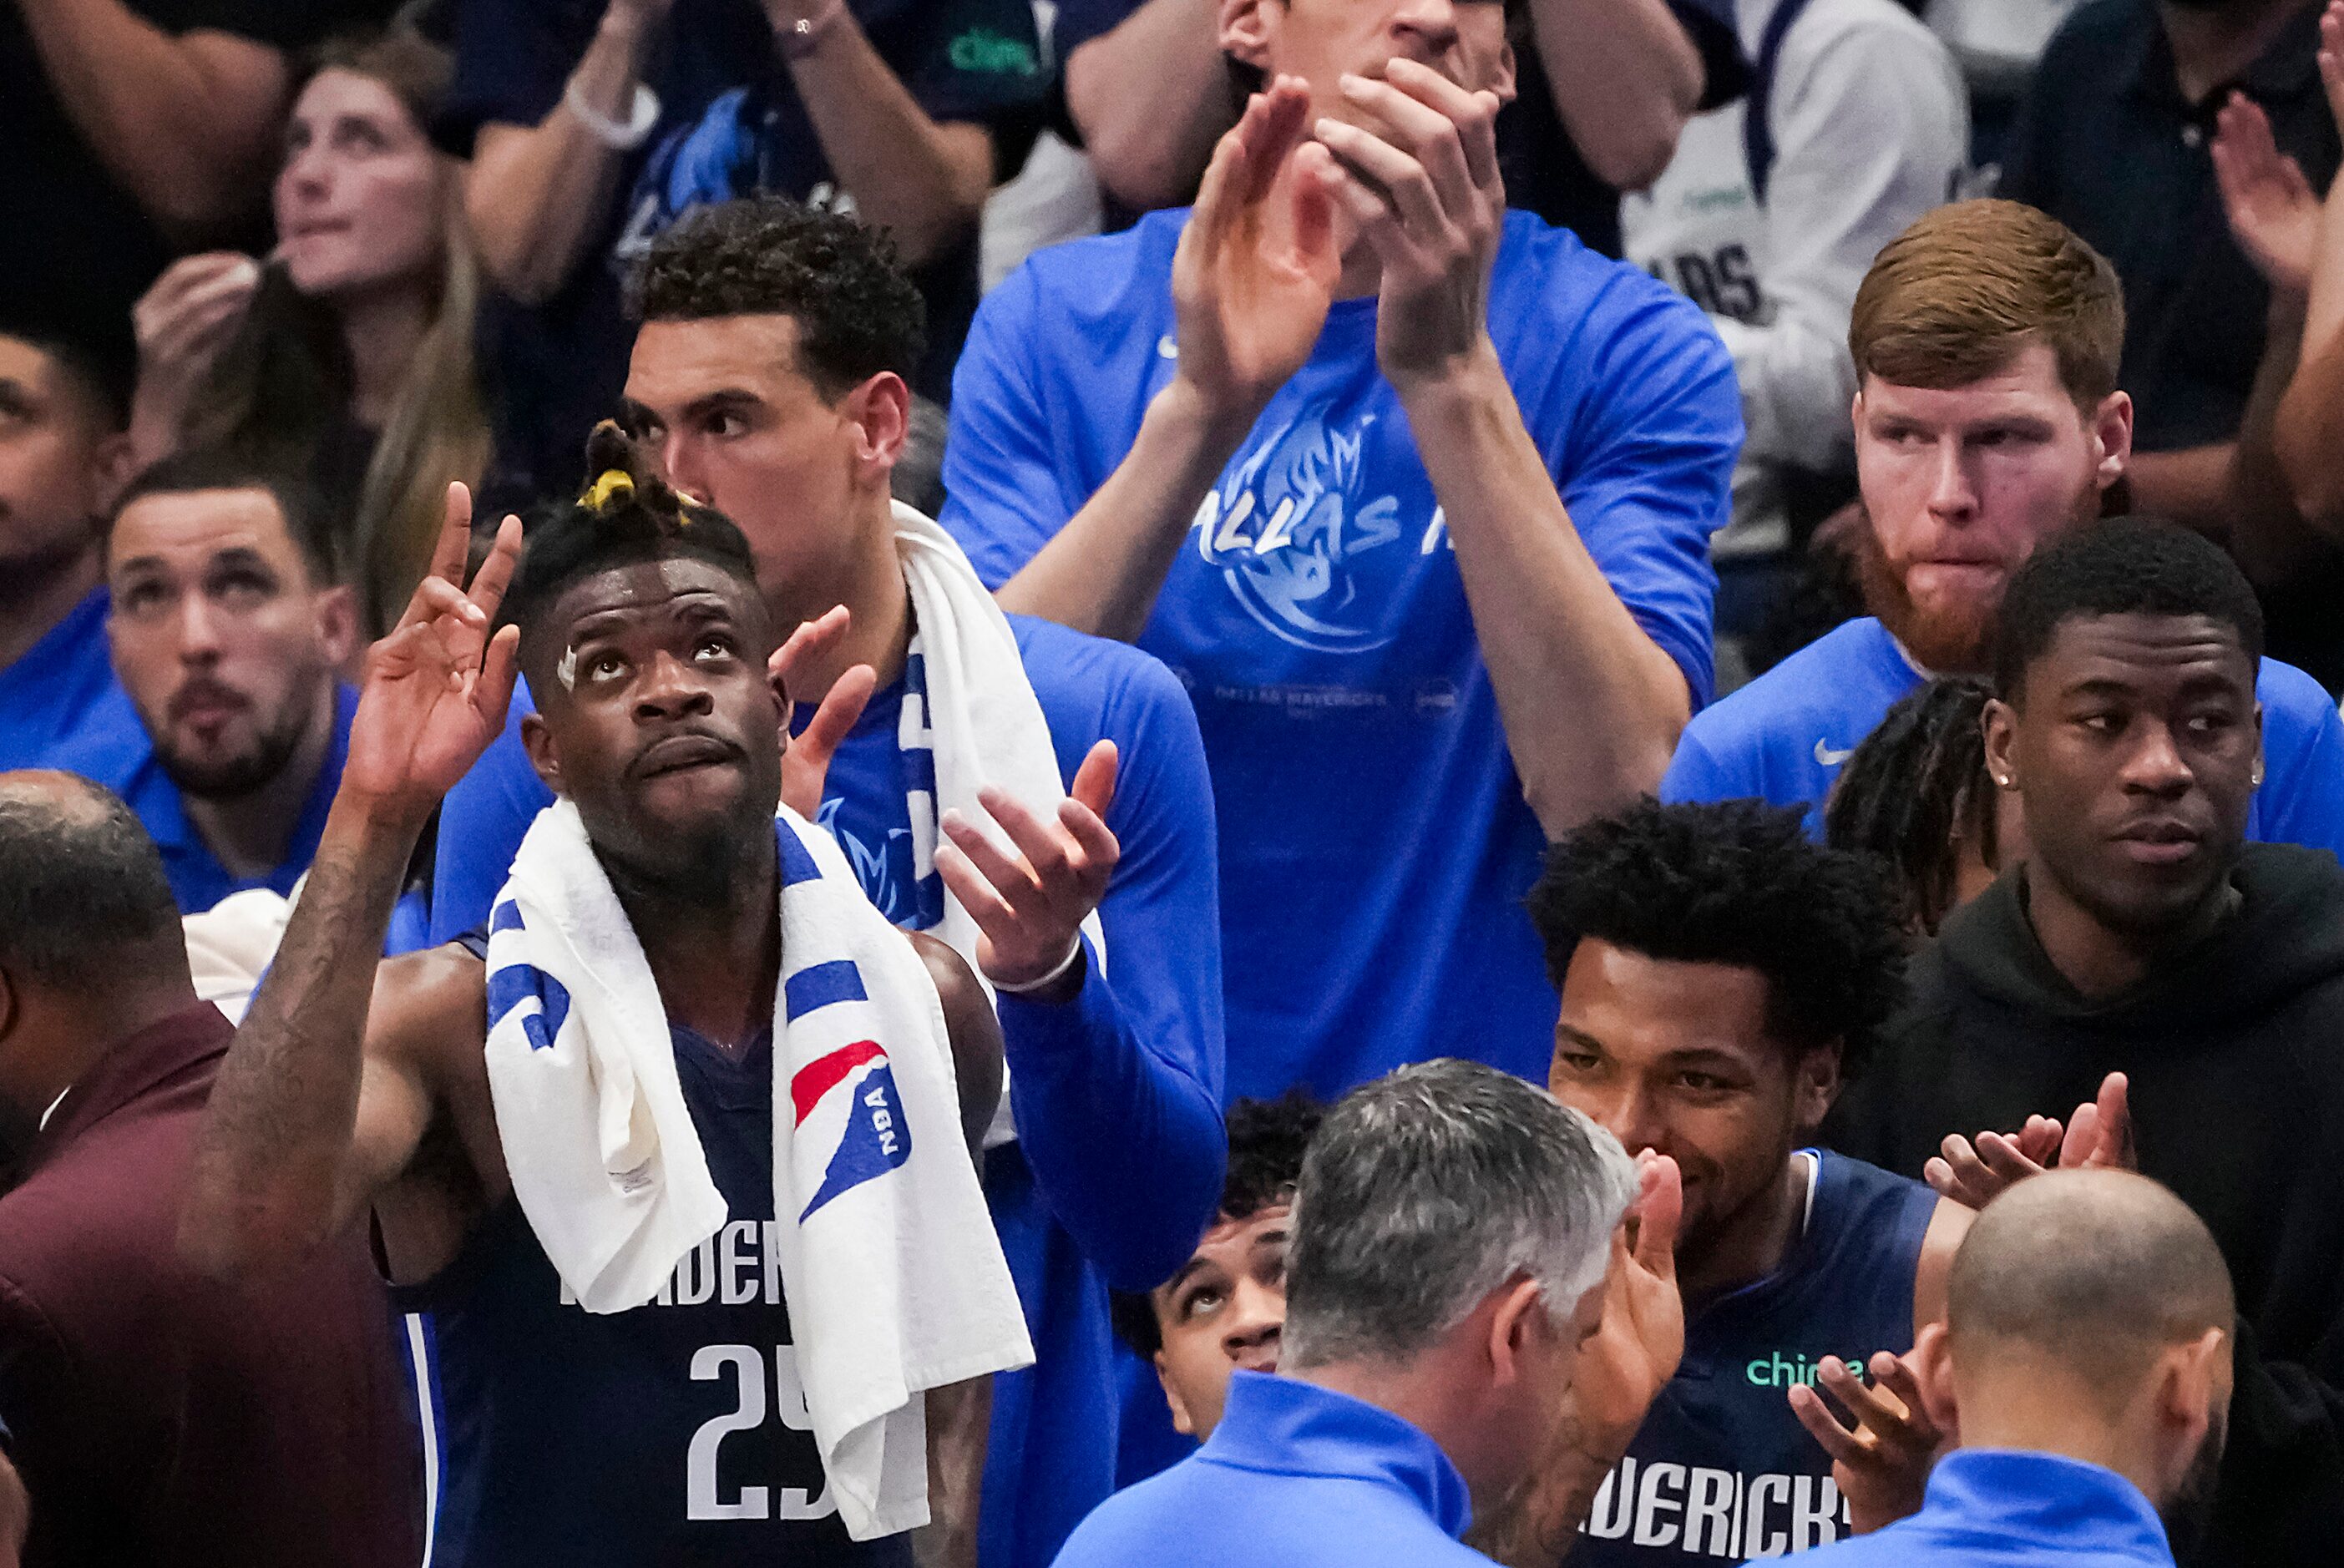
x=305 y=1123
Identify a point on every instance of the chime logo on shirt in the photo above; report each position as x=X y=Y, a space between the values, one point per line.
x=1295 y=541
x=848 y=1098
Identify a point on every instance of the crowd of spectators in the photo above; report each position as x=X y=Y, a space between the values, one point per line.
x=1608 y=733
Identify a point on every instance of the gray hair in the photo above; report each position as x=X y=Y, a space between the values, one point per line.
x=1427 y=1190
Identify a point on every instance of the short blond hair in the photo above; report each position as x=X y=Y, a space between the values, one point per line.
x=1961 y=293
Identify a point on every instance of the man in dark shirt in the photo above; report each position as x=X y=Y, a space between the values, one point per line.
x=2114 y=140
x=2142 y=935
x=157 y=1417
x=592 y=127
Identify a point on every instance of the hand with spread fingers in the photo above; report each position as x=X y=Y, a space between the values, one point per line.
x=2098 y=1136
x=1880 y=1464
x=1256 y=264
x=805 y=761
x=1422 y=188
x=435 y=689
x=1029 y=905
x=2274 y=213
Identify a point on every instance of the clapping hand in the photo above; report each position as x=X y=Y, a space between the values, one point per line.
x=1029 y=903
x=1424 y=191
x=1880 y=1464
x=2098 y=1137
x=2274 y=213
x=805 y=761
x=435 y=689
x=1257 y=265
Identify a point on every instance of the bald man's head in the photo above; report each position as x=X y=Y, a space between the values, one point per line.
x=83 y=899
x=2098 y=1271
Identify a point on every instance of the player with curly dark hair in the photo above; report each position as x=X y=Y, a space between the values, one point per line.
x=1719 y=974
x=1917 y=796
x=1224 y=1306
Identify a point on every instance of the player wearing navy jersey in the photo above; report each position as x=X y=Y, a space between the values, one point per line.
x=1719 y=975
x=674 y=1433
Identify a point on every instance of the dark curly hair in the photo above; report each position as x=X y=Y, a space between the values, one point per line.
x=2126 y=566
x=625 y=516
x=1736 y=883
x=1267 y=1141
x=1915 y=789
x=857 y=313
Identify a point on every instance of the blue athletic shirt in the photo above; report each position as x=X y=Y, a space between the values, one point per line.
x=673 y=1434
x=1374 y=842
x=60 y=700
x=2010 y=1508
x=197 y=879
x=1118 y=1164
x=1783 y=737
x=1720 y=1469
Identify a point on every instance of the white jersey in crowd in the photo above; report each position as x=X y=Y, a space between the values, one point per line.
x=1870 y=128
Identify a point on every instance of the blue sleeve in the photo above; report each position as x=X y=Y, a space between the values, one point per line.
x=1002 y=501
x=1697 y=773
x=1116 y=1093
x=482 y=824
x=1649 y=479
x=2303 y=749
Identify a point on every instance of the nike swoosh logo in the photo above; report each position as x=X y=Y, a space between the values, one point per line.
x=1830 y=758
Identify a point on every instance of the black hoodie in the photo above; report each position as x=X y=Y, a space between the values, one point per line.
x=2235 y=1051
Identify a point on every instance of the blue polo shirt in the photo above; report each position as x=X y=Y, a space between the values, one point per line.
x=1999 y=1508
x=199 y=880
x=1783 y=737
x=60 y=700
x=1295 y=1475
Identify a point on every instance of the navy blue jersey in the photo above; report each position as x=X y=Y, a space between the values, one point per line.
x=1721 y=1470
x=673 y=1434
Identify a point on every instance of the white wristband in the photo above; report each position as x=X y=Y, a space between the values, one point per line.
x=619 y=138
x=1057 y=974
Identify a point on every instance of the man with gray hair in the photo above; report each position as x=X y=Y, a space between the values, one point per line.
x=2085 y=1357
x=1468 y=1325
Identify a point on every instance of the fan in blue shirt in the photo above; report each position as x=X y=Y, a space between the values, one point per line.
x=1963 y=474
x=1413 y=493
x=1451 y=1254
x=61 y=449
x=2087 y=1359
x=228 y=628
x=767 y=380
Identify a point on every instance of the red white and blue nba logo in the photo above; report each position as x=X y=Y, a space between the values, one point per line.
x=848 y=1096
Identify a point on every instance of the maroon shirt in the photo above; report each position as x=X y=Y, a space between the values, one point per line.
x=158 y=1416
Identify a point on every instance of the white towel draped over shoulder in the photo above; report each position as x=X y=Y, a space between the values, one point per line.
x=894 y=1280
x=972 y=707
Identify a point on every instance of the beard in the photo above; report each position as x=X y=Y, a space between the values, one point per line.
x=1950 y=639
x=247 y=771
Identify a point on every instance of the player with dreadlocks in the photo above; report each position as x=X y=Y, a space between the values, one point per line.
x=1719 y=974
x=586 y=1437
x=1915 y=795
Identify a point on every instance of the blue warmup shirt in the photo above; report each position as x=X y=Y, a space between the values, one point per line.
x=1721 y=1471
x=1118 y=1164
x=1997 y=1508
x=199 y=880
x=60 y=705
x=1295 y=1475
x=673 y=1434
x=1375 y=845
x=1783 y=737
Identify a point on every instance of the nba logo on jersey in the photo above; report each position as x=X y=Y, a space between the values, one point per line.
x=846 y=1101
